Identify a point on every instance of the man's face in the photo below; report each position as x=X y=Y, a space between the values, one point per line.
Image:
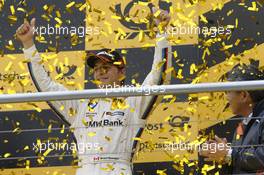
x=107 y=74
x=239 y=102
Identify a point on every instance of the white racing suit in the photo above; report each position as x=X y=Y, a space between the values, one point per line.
x=106 y=131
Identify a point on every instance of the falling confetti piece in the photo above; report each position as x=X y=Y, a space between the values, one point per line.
x=49 y=128
x=137 y=139
x=7 y=155
x=108 y=138
x=27 y=164
x=254 y=7
x=70 y=5
x=12 y=9
x=62 y=129
x=193 y=69
x=161 y=172
x=91 y=134
x=8 y=67
x=83 y=7
x=203 y=19
x=47 y=152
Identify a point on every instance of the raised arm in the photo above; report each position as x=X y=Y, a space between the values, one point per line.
x=162 y=57
x=25 y=33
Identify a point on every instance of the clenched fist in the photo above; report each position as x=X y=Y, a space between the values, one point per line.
x=25 y=33
x=161 y=19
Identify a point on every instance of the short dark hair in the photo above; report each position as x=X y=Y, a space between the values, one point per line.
x=243 y=72
x=116 y=54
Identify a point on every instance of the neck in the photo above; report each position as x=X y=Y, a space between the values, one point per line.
x=247 y=111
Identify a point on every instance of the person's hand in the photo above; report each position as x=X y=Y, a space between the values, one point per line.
x=25 y=33
x=217 y=150
x=161 y=19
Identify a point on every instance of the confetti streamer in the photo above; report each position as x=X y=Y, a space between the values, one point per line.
x=70 y=4
x=6 y=155
x=12 y=9
x=254 y=7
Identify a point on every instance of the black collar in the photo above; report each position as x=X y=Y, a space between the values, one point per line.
x=258 y=108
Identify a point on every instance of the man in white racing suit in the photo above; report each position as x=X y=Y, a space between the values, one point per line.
x=107 y=125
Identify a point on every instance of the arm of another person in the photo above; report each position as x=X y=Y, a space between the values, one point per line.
x=252 y=158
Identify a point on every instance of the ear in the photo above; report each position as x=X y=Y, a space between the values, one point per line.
x=245 y=97
x=122 y=71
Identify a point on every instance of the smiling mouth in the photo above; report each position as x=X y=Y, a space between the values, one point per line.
x=103 y=78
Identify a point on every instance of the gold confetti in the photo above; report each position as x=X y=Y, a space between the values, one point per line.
x=70 y=83
x=25 y=82
x=237 y=42
x=62 y=107
x=179 y=75
x=13 y=19
x=175 y=54
x=236 y=22
x=21 y=65
x=96 y=82
x=12 y=9
x=45 y=7
x=108 y=168
x=254 y=7
x=7 y=155
x=169 y=70
x=70 y=5
x=84 y=122
x=116 y=17
x=117 y=63
x=37 y=109
x=5 y=141
x=10 y=45
x=161 y=172
x=11 y=91
x=58 y=20
x=203 y=19
x=141 y=36
x=108 y=138
x=206 y=52
x=47 y=152
x=58 y=14
x=193 y=69
x=59 y=76
x=143 y=3
x=203 y=98
x=27 y=164
x=83 y=7
x=157 y=13
x=49 y=128
x=26 y=148
x=19 y=9
x=137 y=139
x=168 y=96
x=91 y=134
x=62 y=129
